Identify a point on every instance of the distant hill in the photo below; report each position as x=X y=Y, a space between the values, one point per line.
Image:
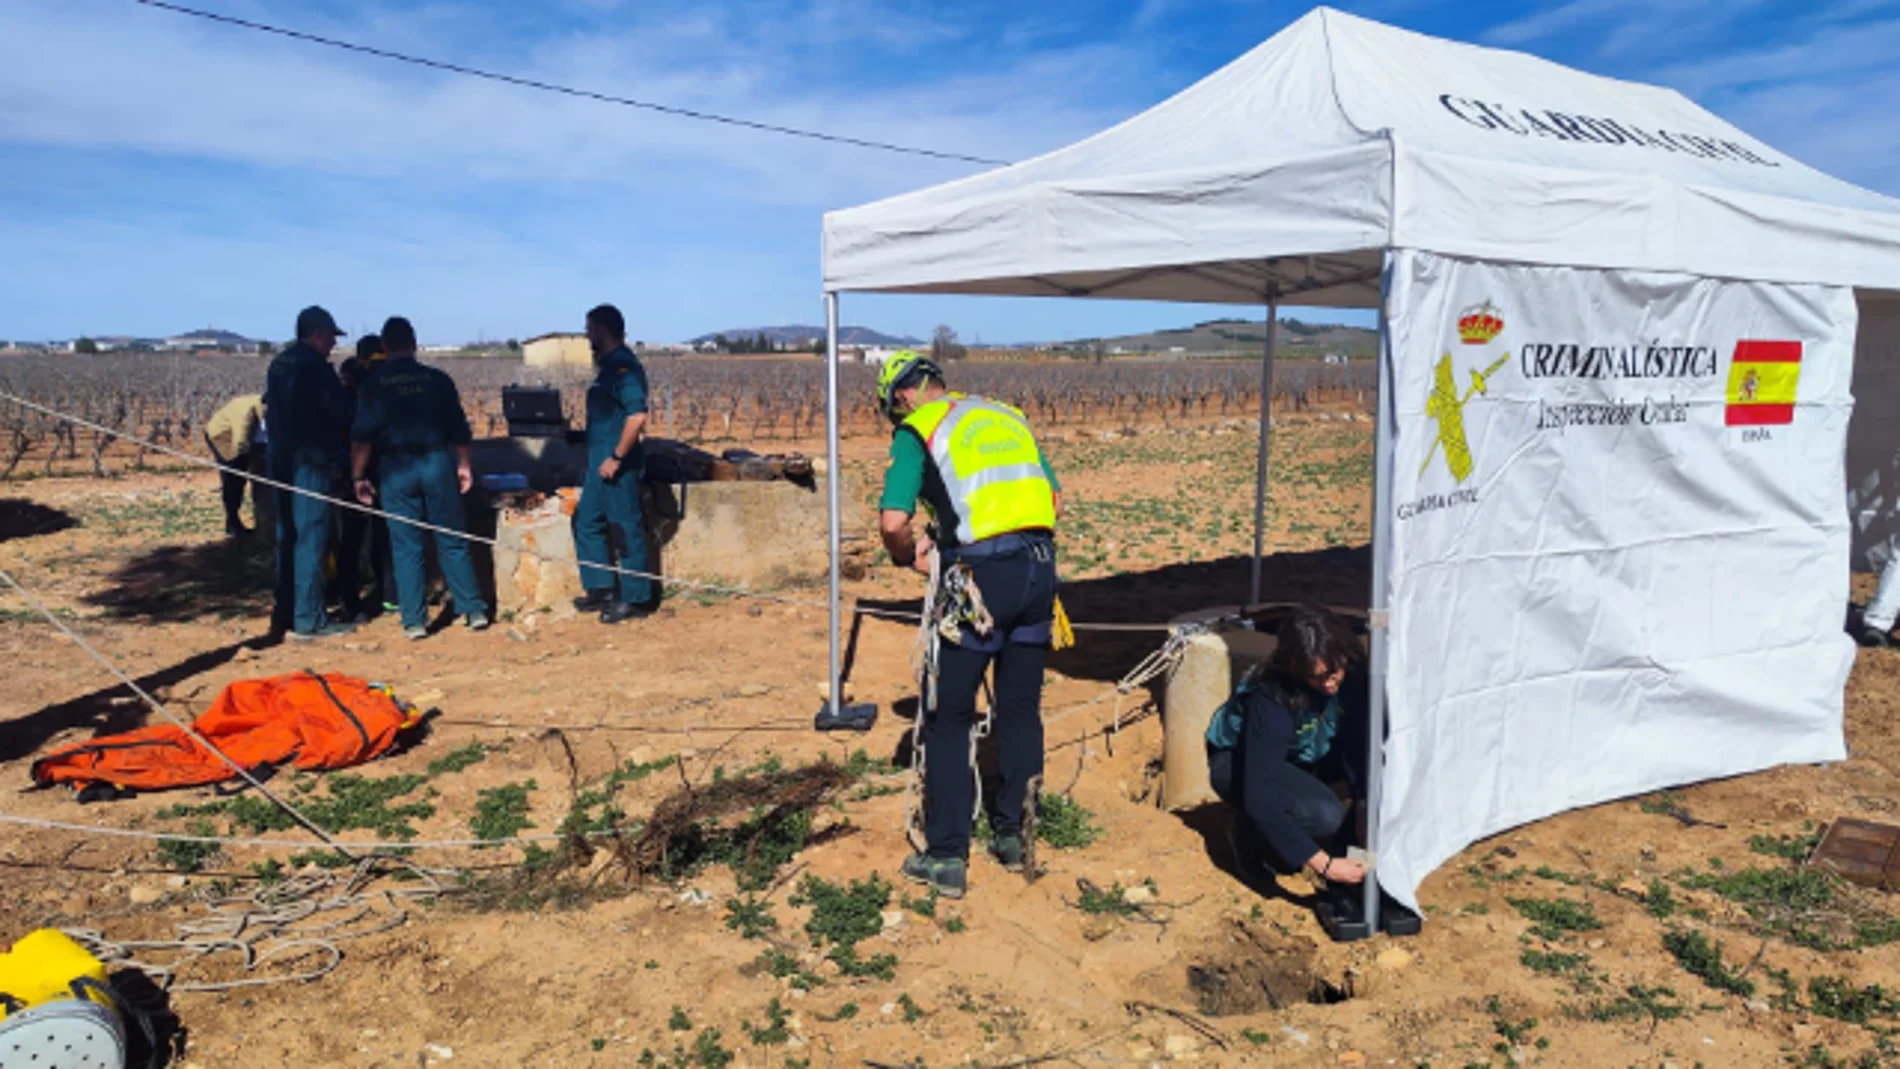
x=1297 y=339
x=801 y=336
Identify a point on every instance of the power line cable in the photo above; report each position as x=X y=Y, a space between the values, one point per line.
x=585 y=94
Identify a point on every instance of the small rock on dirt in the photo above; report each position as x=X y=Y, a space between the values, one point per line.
x=1352 y=1059
x=437 y=1050
x=1177 y=1045
x=1596 y=944
x=1756 y=1006
x=893 y=919
x=1138 y=895
x=1393 y=959
x=1633 y=889
x=144 y=895
x=754 y=690
x=1098 y=929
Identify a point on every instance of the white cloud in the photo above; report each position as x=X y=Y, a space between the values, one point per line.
x=102 y=75
x=1835 y=52
x=1550 y=22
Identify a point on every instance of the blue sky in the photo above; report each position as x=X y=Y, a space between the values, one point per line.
x=159 y=174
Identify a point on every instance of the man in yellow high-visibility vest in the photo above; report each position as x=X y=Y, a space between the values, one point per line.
x=993 y=501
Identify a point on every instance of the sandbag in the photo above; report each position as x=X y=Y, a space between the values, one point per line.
x=306 y=720
x=1209 y=667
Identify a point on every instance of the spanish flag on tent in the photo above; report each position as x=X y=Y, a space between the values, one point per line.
x=1761 y=383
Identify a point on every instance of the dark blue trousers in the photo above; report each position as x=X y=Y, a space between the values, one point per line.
x=1019 y=588
x=303 y=537
x=609 y=512
x=422 y=486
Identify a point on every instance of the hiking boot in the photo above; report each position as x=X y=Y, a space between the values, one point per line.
x=594 y=601
x=1874 y=638
x=416 y=633
x=333 y=629
x=1008 y=851
x=948 y=876
x=625 y=610
x=477 y=621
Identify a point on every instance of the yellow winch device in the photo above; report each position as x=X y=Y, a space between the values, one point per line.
x=56 y=1011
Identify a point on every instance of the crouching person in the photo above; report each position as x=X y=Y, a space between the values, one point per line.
x=1276 y=746
x=410 y=419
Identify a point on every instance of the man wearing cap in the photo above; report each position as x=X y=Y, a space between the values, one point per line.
x=610 y=495
x=410 y=417
x=309 y=424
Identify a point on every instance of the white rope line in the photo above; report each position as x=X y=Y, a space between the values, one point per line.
x=185 y=726
x=370 y=848
x=370 y=510
x=279 y=922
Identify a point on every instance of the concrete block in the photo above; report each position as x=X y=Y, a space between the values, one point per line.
x=534 y=562
x=754 y=534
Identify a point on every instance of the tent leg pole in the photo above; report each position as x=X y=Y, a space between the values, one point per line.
x=1260 y=464
x=1384 y=442
x=834 y=695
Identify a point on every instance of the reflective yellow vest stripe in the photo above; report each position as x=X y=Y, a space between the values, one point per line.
x=990 y=465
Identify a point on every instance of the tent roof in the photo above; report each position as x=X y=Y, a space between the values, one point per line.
x=1287 y=171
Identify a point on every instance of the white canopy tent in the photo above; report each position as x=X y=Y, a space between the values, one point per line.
x=1347 y=163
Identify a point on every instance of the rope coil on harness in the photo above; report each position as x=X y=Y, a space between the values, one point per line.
x=952 y=601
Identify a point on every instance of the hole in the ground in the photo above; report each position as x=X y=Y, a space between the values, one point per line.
x=1243 y=985
x=1327 y=993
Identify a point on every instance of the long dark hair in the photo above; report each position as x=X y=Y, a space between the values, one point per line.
x=1307 y=636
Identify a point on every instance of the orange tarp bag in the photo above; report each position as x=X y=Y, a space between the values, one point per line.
x=311 y=721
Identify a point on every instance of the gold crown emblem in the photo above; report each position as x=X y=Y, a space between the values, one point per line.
x=1479 y=324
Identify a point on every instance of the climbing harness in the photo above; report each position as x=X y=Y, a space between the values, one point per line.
x=952 y=601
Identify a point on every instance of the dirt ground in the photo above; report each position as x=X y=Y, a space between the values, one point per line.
x=1016 y=974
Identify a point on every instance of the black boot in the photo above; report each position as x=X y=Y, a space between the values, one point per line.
x=625 y=610
x=594 y=600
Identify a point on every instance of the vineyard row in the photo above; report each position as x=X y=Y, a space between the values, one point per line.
x=168 y=399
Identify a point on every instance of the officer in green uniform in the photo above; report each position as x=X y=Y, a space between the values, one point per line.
x=993 y=501
x=309 y=429
x=410 y=418
x=609 y=508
